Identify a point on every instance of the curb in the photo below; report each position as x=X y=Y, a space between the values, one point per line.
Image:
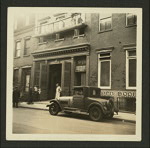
x=33 y=108
x=123 y=120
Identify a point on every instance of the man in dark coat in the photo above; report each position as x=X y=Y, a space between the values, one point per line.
x=16 y=96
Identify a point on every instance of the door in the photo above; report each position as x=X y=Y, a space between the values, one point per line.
x=43 y=82
x=66 y=79
x=54 y=78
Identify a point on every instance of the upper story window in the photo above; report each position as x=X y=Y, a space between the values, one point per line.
x=42 y=40
x=105 y=22
x=43 y=27
x=104 y=72
x=131 y=19
x=59 y=37
x=26 y=46
x=131 y=69
x=79 y=32
x=18 y=49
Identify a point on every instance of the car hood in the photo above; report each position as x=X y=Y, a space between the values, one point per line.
x=98 y=99
x=65 y=97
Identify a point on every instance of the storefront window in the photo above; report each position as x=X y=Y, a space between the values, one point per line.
x=105 y=70
x=37 y=73
x=80 y=71
x=131 y=68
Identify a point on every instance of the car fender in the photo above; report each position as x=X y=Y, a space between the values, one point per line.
x=96 y=104
x=54 y=101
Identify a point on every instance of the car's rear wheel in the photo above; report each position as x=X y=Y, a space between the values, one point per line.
x=54 y=109
x=95 y=113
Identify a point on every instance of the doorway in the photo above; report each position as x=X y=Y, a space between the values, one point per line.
x=54 y=77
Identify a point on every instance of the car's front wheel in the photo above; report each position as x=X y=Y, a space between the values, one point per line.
x=95 y=113
x=54 y=109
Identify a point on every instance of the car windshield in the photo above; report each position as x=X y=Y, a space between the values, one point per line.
x=78 y=91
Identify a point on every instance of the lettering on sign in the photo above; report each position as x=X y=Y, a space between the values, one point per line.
x=127 y=94
x=80 y=68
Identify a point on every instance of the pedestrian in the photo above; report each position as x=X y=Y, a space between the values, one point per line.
x=58 y=91
x=35 y=93
x=16 y=96
x=39 y=94
x=73 y=20
x=80 y=19
x=30 y=99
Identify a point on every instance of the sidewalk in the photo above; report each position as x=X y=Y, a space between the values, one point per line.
x=124 y=117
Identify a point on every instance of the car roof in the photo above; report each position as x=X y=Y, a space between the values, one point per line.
x=85 y=87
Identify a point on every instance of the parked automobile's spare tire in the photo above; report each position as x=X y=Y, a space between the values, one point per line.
x=95 y=113
x=54 y=109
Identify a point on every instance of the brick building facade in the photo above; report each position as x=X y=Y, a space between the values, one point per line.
x=81 y=49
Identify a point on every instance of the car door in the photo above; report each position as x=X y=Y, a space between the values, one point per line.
x=78 y=101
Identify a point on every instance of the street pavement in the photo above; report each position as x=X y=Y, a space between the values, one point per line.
x=31 y=121
x=124 y=117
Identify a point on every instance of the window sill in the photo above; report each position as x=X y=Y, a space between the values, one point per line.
x=105 y=31
x=26 y=55
x=101 y=87
x=60 y=40
x=127 y=26
x=42 y=43
x=131 y=88
x=16 y=57
x=82 y=35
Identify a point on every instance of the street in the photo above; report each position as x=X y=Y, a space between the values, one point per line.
x=31 y=121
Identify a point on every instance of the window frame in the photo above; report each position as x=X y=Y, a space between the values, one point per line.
x=16 y=50
x=27 y=38
x=99 y=70
x=132 y=24
x=100 y=31
x=78 y=33
x=127 y=68
x=59 y=39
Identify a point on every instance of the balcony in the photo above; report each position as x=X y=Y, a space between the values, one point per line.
x=69 y=23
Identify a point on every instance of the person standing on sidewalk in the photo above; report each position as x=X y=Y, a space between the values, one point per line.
x=30 y=101
x=35 y=93
x=16 y=96
x=39 y=94
x=58 y=90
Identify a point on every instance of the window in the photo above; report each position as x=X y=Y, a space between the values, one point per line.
x=131 y=19
x=105 y=22
x=27 y=46
x=130 y=69
x=43 y=27
x=42 y=40
x=37 y=74
x=78 y=32
x=105 y=70
x=59 y=37
x=18 y=49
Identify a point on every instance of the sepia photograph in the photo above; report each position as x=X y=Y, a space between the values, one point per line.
x=74 y=74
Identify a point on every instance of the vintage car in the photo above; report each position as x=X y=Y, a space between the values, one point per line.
x=84 y=100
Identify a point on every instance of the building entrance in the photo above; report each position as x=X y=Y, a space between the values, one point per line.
x=54 y=77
